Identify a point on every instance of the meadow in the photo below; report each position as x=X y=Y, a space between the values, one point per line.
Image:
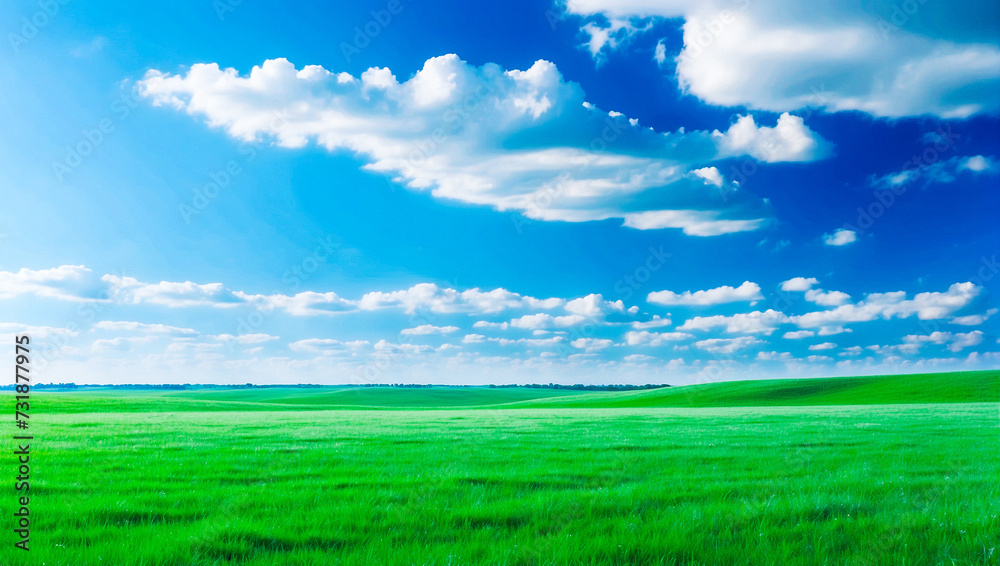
x=857 y=471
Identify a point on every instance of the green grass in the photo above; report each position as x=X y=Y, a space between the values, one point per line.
x=259 y=477
x=953 y=387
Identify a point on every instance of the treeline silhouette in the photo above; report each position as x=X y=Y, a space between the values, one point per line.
x=190 y=386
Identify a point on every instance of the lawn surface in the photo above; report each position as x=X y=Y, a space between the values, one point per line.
x=255 y=477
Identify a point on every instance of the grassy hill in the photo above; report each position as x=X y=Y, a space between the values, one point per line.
x=954 y=387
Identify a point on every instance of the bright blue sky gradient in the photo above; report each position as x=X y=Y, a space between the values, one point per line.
x=291 y=221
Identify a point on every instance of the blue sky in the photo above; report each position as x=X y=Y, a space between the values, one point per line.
x=583 y=192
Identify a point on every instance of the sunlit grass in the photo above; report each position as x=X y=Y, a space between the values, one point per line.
x=878 y=484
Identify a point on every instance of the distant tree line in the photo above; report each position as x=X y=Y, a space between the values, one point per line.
x=582 y=387
x=191 y=386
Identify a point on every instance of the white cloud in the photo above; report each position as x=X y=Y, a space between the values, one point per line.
x=881 y=58
x=387 y=347
x=742 y=323
x=827 y=298
x=840 y=237
x=487 y=324
x=327 y=346
x=594 y=306
x=799 y=284
x=823 y=346
x=831 y=330
x=174 y=294
x=254 y=338
x=973 y=319
x=427 y=329
x=656 y=322
x=748 y=291
x=789 y=140
x=545 y=320
x=711 y=175
x=927 y=306
x=940 y=172
x=773 y=356
x=530 y=142
x=140 y=327
x=473 y=339
x=956 y=342
x=428 y=296
x=67 y=282
x=977 y=163
x=646 y=338
x=798 y=334
x=9 y=329
x=591 y=344
x=660 y=54
x=121 y=343
x=311 y=303
x=727 y=345
x=528 y=341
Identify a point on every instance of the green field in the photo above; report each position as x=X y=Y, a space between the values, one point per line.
x=884 y=470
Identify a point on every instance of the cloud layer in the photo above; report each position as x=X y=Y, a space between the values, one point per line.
x=524 y=141
x=888 y=59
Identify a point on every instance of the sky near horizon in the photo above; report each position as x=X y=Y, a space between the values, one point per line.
x=590 y=191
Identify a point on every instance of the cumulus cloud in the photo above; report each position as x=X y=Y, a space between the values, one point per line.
x=430 y=297
x=428 y=329
x=594 y=306
x=798 y=334
x=252 y=338
x=67 y=282
x=827 y=298
x=727 y=345
x=545 y=320
x=143 y=328
x=940 y=172
x=799 y=284
x=956 y=342
x=927 y=306
x=326 y=346
x=514 y=140
x=840 y=237
x=823 y=346
x=10 y=329
x=646 y=338
x=591 y=344
x=742 y=323
x=781 y=55
x=656 y=322
x=774 y=356
x=746 y=292
x=973 y=319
